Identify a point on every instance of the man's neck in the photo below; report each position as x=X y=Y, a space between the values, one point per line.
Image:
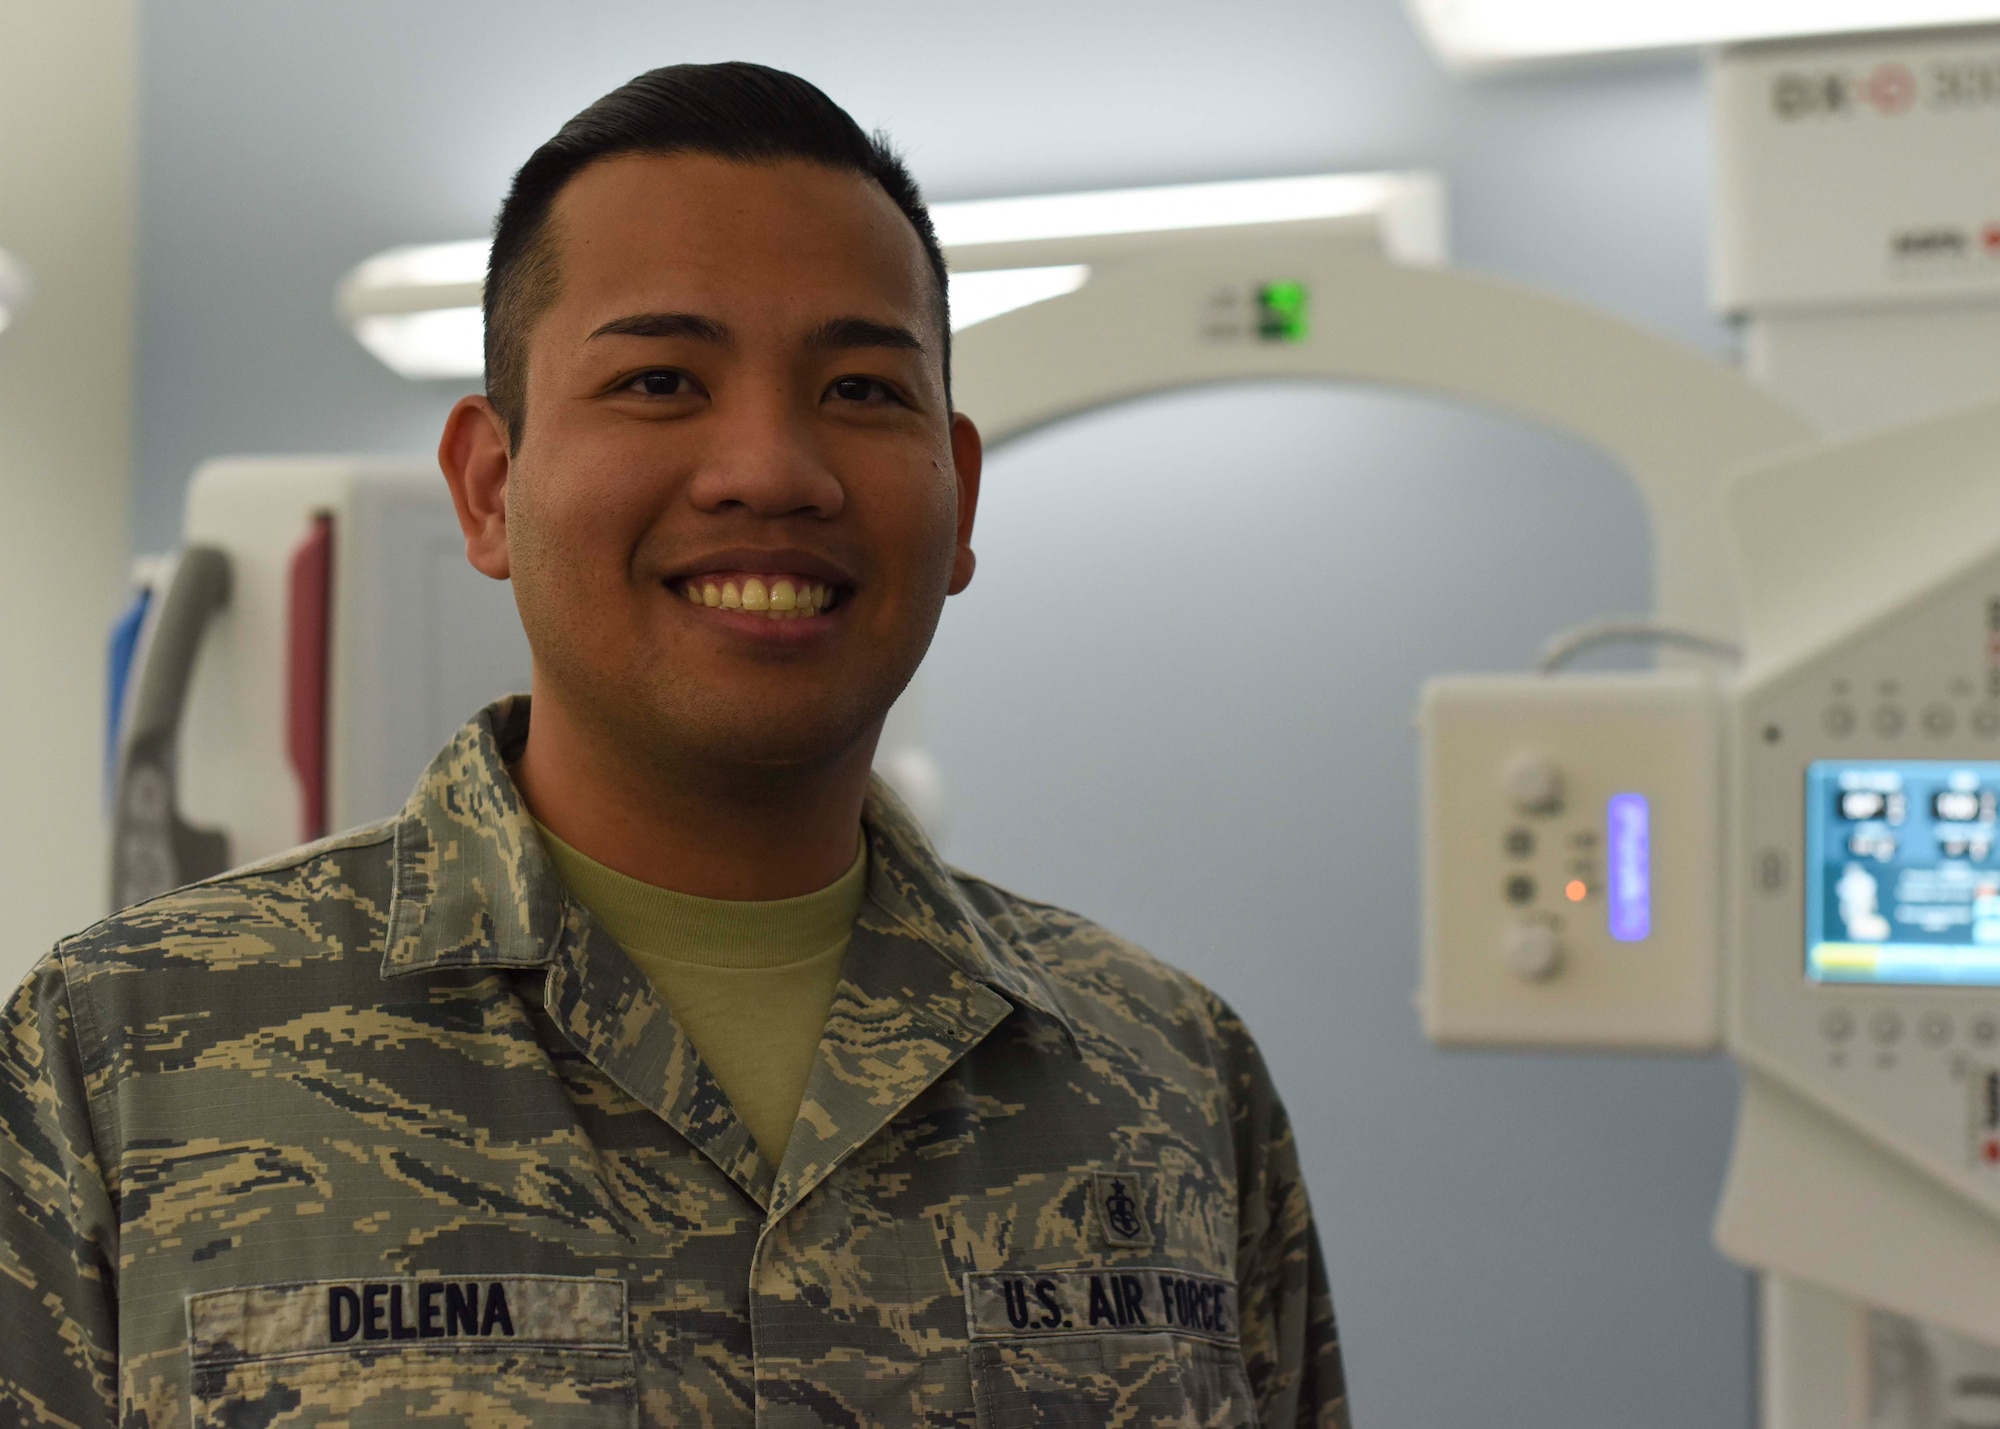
x=765 y=834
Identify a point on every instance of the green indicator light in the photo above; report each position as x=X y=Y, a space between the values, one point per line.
x=1281 y=312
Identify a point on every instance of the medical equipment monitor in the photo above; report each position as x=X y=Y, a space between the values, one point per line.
x=1902 y=877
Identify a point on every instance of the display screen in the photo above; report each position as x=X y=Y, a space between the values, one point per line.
x=1902 y=882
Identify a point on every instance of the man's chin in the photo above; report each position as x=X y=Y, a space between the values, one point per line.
x=759 y=746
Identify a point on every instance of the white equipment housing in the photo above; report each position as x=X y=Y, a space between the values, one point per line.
x=1867 y=1164
x=1553 y=809
x=1860 y=956
x=1859 y=860
x=337 y=641
x=1856 y=224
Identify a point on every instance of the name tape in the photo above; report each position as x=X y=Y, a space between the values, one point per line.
x=1000 y=1305
x=311 y=1317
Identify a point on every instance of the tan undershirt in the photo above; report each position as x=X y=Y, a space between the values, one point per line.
x=750 y=983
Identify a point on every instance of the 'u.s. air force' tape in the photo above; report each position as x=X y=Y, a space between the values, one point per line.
x=435 y=1312
x=1001 y=1305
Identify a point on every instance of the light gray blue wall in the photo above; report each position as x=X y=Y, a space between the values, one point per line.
x=1177 y=696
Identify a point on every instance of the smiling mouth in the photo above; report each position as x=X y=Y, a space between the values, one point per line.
x=777 y=597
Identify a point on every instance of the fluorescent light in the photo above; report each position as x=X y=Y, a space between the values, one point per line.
x=1473 y=33
x=425 y=265
x=989 y=292
x=1161 y=210
x=14 y=288
x=442 y=342
x=417 y=307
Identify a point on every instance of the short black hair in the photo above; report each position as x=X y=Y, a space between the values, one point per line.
x=737 y=111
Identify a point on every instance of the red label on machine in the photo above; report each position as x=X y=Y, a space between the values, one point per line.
x=308 y=652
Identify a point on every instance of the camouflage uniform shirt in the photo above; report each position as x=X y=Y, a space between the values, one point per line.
x=385 y=1128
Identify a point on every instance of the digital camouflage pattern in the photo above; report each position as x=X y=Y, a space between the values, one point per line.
x=271 y=1146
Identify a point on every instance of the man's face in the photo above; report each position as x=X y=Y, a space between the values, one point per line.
x=739 y=498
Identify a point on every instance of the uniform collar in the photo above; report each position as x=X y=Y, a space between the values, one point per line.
x=474 y=887
x=909 y=882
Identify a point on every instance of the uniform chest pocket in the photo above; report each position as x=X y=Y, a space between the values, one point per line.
x=1119 y=1346
x=504 y=1351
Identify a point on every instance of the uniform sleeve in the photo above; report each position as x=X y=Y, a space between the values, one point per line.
x=1291 y=1346
x=57 y=1228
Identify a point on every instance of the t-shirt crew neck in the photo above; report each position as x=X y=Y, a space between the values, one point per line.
x=749 y=981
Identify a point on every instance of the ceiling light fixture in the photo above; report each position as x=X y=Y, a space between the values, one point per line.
x=1175 y=208
x=417 y=308
x=1474 y=34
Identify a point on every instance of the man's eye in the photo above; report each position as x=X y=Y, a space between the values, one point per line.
x=870 y=391
x=662 y=384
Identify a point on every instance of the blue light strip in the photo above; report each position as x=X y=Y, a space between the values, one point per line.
x=1629 y=867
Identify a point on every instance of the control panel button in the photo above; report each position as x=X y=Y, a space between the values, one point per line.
x=1934 y=1029
x=1533 y=952
x=1520 y=889
x=1838 y=720
x=1885 y=1025
x=1984 y=1029
x=1836 y=1024
x=1939 y=721
x=1986 y=721
x=1887 y=721
x=1535 y=784
x=1520 y=843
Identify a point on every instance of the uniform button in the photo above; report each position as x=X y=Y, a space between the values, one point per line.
x=1984 y=1028
x=1838 y=720
x=1885 y=1024
x=1837 y=1024
x=1520 y=843
x=1520 y=889
x=1934 y=1028
x=1939 y=721
x=1888 y=721
x=1986 y=721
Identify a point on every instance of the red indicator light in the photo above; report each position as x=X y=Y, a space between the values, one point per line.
x=1577 y=890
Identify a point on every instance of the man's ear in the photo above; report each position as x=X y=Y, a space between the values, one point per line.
x=474 y=454
x=967 y=453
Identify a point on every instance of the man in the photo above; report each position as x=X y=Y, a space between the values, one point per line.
x=650 y=1065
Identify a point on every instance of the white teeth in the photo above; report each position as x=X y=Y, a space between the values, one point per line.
x=711 y=594
x=732 y=599
x=783 y=596
x=755 y=596
x=692 y=592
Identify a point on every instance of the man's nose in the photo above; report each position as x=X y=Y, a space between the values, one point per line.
x=765 y=462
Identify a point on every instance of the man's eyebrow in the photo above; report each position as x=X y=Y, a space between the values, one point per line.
x=837 y=333
x=692 y=325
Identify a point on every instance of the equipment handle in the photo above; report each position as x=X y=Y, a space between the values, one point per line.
x=152 y=848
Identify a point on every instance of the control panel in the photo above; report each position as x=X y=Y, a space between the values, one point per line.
x=1570 y=863
x=1868 y=878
